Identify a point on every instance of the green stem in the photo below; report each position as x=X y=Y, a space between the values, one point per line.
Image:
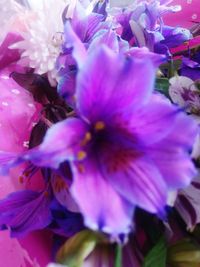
x=118 y=259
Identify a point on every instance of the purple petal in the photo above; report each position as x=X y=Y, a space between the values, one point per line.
x=145 y=54
x=177 y=37
x=101 y=205
x=135 y=178
x=73 y=41
x=130 y=84
x=192 y=73
x=25 y=211
x=86 y=26
x=9 y=160
x=107 y=37
x=66 y=87
x=152 y=123
x=8 y=55
x=171 y=154
x=123 y=19
x=62 y=141
x=62 y=194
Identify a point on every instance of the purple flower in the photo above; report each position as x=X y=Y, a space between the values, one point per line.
x=25 y=211
x=144 y=24
x=125 y=147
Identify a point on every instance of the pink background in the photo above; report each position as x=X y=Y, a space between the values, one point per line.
x=190 y=13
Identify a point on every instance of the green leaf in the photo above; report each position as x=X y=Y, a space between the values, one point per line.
x=184 y=253
x=162 y=85
x=157 y=255
x=77 y=248
x=171 y=67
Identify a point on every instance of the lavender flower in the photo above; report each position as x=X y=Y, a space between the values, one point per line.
x=144 y=24
x=125 y=146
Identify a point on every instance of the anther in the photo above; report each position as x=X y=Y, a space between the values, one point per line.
x=99 y=125
x=81 y=155
x=86 y=139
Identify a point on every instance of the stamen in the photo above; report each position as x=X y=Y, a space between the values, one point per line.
x=60 y=184
x=86 y=139
x=88 y=136
x=81 y=155
x=46 y=194
x=99 y=125
x=27 y=173
x=81 y=168
x=21 y=179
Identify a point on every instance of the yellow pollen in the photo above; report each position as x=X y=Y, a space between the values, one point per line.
x=86 y=139
x=81 y=155
x=99 y=125
x=88 y=136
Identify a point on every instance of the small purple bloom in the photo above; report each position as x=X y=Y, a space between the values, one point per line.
x=125 y=147
x=25 y=211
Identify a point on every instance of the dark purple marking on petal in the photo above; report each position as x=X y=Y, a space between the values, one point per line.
x=189 y=208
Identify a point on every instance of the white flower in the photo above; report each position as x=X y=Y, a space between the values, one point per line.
x=43 y=35
x=8 y=10
x=183 y=92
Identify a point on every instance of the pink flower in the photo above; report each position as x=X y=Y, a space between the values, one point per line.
x=18 y=112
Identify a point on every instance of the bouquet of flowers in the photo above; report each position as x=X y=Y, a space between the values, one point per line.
x=100 y=140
